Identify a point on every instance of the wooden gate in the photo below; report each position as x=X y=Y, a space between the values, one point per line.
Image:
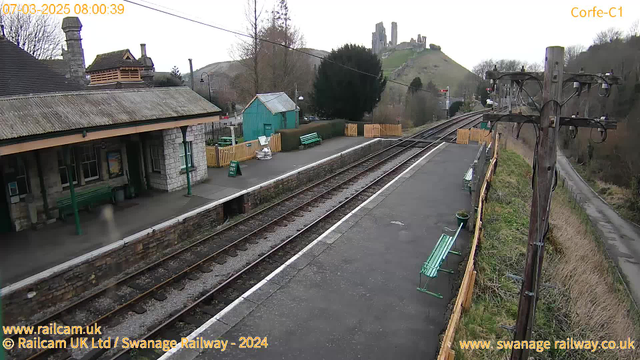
x=372 y=130
x=350 y=130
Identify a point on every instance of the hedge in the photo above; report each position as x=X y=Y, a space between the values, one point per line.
x=325 y=128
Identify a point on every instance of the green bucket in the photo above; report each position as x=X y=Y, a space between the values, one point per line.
x=462 y=220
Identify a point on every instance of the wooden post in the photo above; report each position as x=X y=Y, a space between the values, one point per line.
x=469 y=295
x=451 y=355
x=541 y=202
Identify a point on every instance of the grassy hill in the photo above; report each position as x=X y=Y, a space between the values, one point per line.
x=427 y=64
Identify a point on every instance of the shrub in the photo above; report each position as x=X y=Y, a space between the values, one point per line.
x=326 y=129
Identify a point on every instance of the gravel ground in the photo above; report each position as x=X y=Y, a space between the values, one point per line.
x=134 y=325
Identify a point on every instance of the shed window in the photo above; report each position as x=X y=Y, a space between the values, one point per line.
x=189 y=155
x=156 y=158
x=62 y=169
x=89 y=163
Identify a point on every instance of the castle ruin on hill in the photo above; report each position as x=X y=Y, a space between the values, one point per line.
x=379 y=43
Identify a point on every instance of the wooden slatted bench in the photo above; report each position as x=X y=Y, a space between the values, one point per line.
x=85 y=199
x=310 y=139
x=466 y=180
x=432 y=266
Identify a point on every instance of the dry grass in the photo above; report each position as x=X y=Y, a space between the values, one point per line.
x=586 y=300
x=599 y=306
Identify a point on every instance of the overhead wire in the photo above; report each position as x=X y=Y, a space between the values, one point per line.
x=238 y=33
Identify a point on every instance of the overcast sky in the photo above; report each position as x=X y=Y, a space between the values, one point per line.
x=468 y=31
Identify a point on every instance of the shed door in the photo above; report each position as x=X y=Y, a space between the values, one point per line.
x=268 y=130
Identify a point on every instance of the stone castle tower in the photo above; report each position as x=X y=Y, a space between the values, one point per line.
x=74 y=54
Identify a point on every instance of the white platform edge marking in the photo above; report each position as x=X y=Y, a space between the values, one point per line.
x=133 y=238
x=229 y=307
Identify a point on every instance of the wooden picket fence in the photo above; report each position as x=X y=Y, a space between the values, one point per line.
x=240 y=152
x=465 y=293
x=378 y=130
x=350 y=130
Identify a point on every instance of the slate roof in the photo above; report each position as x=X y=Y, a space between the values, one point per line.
x=113 y=60
x=275 y=102
x=21 y=73
x=58 y=65
x=31 y=115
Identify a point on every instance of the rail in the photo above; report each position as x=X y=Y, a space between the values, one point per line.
x=449 y=128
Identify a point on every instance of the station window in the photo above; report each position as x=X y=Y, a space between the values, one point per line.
x=62 y=169
x=189 y=155
x=17 y=177
x=156 y=158
x=89 y=163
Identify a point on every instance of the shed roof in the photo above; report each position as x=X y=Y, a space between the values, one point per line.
x=31 y=115
x=114 y=60
x=21 y=73
x=275 y=102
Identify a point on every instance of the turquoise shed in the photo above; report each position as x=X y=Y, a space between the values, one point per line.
x=268 y=113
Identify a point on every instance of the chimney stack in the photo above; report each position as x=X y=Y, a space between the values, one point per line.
x=149 y=69
x=74 y=55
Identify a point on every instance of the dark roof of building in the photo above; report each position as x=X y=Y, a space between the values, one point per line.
x=31 y=115
x=58 y=65
x=21 y=73
x=113 y=60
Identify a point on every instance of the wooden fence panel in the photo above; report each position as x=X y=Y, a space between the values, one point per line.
x=462 y=136
x=240 y=152
x=378 y=130
x=275 y=143
x=212 y=159
x=351 y=130
x=391 y=130
x=479 y=135
x=372 y=130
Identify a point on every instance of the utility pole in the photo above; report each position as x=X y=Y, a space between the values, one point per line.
x=548 y=122
x=543 y=182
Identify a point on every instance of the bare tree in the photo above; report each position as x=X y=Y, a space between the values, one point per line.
x=39 y=35
x=284 y=66
x=533 y=67
x=247 y=51
x=481 y=68
x=571 y=53
x=607 y=36
x=633 y=30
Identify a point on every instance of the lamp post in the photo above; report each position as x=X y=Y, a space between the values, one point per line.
x=297 y=98
x=208 y=82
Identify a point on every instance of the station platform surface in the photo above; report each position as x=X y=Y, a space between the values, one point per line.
x=25 y=253
x=352 y=292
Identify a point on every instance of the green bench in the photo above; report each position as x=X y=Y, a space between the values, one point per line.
x=310 y=139
x=85 y=199
x=466 y=180
x=433 y=264
x=225 y=141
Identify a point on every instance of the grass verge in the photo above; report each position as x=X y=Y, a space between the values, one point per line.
x=585 y=300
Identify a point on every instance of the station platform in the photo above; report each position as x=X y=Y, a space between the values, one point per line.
x=352 y=292
x=29 y=252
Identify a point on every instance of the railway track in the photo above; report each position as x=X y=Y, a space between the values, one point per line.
x=106 y=307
